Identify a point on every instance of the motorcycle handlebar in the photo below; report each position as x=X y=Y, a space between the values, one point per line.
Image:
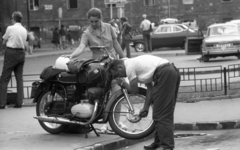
x=104 y=49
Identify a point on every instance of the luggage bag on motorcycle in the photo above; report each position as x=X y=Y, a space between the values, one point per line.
x=92 y=74
x=49 y=73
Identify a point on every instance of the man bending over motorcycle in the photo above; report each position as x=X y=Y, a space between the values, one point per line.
x=162 y=80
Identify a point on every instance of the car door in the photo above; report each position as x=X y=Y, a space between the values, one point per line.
x=161 y=36
x=178 y=36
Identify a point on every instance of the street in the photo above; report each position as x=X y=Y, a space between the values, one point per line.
x=35 y=65
x=20 y=131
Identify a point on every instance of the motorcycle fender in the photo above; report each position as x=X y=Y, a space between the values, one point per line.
x=42 y=87
x=111 y=101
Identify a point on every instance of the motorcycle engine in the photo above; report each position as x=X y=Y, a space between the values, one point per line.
x=85 y=108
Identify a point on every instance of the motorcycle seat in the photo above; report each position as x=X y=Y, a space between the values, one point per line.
x=67 y=77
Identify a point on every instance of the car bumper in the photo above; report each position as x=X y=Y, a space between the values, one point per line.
x=221 y=52
x=131 y=44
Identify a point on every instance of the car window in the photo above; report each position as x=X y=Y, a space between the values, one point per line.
x=165 y=29
x=177 y=29
x=224 y=30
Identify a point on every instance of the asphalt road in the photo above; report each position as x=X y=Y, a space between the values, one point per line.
x=20 y=131
x=36 y=65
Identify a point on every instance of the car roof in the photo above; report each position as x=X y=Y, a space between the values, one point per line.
x=221 y=24
x=235 y=21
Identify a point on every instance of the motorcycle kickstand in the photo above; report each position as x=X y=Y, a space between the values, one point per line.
x=92 y=127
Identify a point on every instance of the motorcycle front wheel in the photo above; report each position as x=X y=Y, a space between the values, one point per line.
x=41 y=109
x=128 y=124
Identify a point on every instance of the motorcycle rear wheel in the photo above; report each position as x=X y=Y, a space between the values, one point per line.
x=52 y=128
x=122 y=120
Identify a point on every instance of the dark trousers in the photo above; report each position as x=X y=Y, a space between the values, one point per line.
x=147 y=41
x=166 y=83
x=13 y=62
x=126 y=39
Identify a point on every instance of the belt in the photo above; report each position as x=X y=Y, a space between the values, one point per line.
x=19 y=49
x=164 y=65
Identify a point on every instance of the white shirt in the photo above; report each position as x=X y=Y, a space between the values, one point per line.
x=143 y=67
x=145 y=25
x=16 y=36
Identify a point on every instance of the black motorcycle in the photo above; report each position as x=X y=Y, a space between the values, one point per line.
x=85 y=98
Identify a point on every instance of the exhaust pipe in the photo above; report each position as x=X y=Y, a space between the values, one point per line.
x=61 y=120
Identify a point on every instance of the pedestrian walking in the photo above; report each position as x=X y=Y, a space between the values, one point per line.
x=31 y=42
x=15 y=42
x=126 y=36
x=69 y=39
x=62 y=34
x=162 y=80
x=56 y=38
x=115 y=23
x=146 y=28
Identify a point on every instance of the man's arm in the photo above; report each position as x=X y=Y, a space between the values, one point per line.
x=132 y=87
x=148 y=102
x=118 y=48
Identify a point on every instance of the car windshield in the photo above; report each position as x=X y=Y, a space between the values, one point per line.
x=223 y=30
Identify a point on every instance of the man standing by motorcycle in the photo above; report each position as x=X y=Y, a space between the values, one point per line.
x=162 y=80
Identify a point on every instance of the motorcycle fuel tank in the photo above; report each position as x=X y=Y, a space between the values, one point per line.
x=82 y=110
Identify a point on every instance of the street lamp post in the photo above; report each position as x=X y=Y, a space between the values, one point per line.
x=169 y=9
x=28 y=17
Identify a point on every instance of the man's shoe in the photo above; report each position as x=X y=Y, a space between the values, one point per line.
x=152 y=146
x=17 y=106
x=2 y=107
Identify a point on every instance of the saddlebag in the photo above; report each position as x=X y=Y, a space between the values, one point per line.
x=49 y=73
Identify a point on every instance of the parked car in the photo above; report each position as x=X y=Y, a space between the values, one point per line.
x=166 y=35
x=221 y=40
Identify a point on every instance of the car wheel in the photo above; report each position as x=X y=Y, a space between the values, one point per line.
x=139 y=47
x=205 y=58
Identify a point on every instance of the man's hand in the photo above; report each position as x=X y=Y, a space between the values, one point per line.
x=144 y=112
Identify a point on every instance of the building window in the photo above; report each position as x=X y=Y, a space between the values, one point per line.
x=225 y=1
x=33 y=4
x=71 y=4
x=148 y=2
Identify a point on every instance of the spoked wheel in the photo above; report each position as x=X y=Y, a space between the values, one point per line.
x=43 y=105
x=139 y=47
x=128 y=124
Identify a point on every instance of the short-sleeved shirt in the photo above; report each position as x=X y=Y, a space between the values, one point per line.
x=143 y=67
x=16 y=35
x=91 y=38
x=145 y=25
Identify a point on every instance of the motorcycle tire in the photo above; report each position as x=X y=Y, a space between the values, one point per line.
x=52 y=128
x=122 y=121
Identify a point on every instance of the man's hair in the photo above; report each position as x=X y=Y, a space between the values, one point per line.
x=114 y=64
x=17 y=16
x=123 y=19
x=94 y=12
x=144 y=16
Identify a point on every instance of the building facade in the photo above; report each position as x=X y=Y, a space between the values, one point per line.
x=42 y=16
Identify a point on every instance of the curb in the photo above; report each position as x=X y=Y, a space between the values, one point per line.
x=115 y=143
x=233 y=124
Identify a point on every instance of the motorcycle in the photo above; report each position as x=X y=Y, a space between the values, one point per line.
x=85 y=98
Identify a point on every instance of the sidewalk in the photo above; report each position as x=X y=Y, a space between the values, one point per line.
x=204 y=115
